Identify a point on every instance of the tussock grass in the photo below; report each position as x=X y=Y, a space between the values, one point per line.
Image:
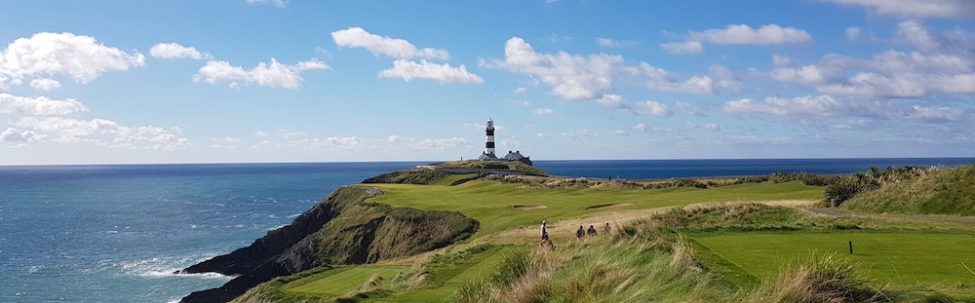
x=819 y=278
x=936 y=191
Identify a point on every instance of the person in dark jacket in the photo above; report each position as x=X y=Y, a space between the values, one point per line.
x=591 y=231
x=581 y=233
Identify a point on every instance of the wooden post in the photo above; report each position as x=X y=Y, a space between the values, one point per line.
x=851 y=247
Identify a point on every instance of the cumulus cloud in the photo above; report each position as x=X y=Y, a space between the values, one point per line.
x=176 y=51
x=38 y=106
x=14 y=135
x=738 y=34
x=543 y=112
x=801 y=107
x=103 y=132
x=274 y=74
x=444 y=73
x=956 y=9
x=746 y=35
x=610 y=43
x=357 y=37
x=612 y=100
x=45 y=84
x=571 y=77
x=651 y=108
x=686 y=47
x=277 y=3
x=45 y=55
x=719 y=80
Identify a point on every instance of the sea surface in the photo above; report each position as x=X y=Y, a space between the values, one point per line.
x=116 y=233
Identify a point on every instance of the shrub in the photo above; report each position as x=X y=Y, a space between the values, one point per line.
x=512 y=266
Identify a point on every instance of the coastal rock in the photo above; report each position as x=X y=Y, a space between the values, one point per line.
x=343 y=229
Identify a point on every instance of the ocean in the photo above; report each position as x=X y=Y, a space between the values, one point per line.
x=115 y=233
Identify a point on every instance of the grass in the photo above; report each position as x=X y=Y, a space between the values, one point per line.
x=942 y=191
x=446 y=273
x=491 y=202
x=341 y=281
x=899 y=259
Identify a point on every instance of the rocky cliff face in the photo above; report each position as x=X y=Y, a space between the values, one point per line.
x=343 y=229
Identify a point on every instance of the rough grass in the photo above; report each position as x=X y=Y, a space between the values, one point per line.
x=491 y=202
x=944 y=191
x=494 y=165
x=819 y=278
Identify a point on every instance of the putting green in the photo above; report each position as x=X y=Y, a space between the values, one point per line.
x=341 y=281
x=902 y=259
x=492 y=203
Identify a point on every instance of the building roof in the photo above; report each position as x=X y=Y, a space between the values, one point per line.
x=514 y=156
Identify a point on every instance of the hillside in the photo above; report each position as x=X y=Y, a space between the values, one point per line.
x=745 y=239
x=941 y=191
x=343 y=229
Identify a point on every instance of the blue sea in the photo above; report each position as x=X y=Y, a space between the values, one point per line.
x=115 y=233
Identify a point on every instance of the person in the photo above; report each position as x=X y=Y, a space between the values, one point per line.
x=591 y=231
x=607 y=228
x=544 y=232
x=581 y=233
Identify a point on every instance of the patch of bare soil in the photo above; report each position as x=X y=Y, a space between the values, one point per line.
x=528 y=207
x=608 y=206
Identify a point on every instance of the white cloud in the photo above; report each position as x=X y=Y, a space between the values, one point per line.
x=277 y=3
x=444 y=73
x=274 y=74
x=543 y=112
x=959 y=9
x=14 y=135
x=225 y=142
x=639 y=128
x=177 y=51
x=571 y=77
x=719 y=80
x=38 y=106
x=103 y=132
x=45 y=55
x=746 y=35
x=687 y=47
x=439 y=143
x=808 y=74
x=852 y=32
x=610 y=43
x=392 y=139
x=45 y=84
x=651 y=108
x=801 y=107
x=612 y=100
x=519 y=90
x=381 y=45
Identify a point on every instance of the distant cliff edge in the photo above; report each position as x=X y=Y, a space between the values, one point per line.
x=342 y=229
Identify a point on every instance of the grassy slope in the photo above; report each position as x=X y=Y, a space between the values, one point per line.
x=491 y=202
x=340 y=281
x=900 y=259
x=948 y=191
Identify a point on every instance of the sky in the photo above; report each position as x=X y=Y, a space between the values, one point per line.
x=95 y=82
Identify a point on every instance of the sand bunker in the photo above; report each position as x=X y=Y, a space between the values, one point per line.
x=528 y=207
x=608 y=206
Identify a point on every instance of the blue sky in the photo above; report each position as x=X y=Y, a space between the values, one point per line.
x=293 y=81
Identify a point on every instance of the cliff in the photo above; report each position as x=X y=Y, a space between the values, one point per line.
x=342 y=229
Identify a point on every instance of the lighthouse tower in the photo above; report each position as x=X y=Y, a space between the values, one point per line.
x=489 y=142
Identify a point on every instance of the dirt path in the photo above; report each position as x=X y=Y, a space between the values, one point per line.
x=842 y=213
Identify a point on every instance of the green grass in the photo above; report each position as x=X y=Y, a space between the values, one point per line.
x=447 y=273
x=945 y=191
x=491 y=202
x=341 y=281
x=901 y=259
